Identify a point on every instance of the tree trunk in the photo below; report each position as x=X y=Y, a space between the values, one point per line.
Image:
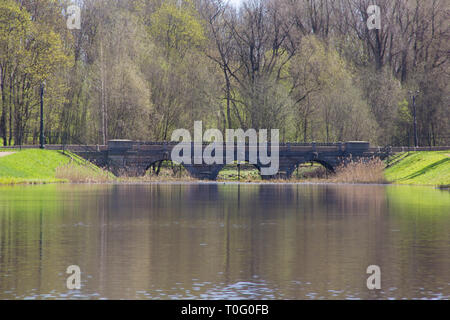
x=228 y=93
x=305 y=125
x=10 y=108
x=4 y=111
x=103 y=96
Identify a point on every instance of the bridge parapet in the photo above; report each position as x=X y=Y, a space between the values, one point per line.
x=357 y=146
x=120 y=145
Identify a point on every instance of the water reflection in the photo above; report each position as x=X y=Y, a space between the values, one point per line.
x=216 y=241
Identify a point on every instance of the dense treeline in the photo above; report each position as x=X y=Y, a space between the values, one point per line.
x=139 y=69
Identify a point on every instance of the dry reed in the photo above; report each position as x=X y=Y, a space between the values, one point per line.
x=80 y=174
x=361 y=171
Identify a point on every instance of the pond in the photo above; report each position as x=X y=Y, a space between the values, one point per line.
x=224 y=241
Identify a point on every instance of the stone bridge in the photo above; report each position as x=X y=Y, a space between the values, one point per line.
x=133 y=158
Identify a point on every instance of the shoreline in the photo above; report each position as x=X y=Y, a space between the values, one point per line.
x=205 y=182
x=37 y=167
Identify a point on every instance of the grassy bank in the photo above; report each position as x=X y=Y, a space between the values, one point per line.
x=420 y=168
x=44 y=166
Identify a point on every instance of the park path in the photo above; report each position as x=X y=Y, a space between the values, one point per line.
x=4 y=154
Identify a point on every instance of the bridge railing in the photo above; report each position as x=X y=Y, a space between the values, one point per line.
x=138 y=145
x=306 y=144
x=77 y=147
x=407 y=149
x=157 y=146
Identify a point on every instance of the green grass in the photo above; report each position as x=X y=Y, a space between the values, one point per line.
x=231 y=174
x=420 y=168
x=36 y=166
x=247 y=173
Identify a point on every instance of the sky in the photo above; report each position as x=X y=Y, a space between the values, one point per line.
x=236 y=3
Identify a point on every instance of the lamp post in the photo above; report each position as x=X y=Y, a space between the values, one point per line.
x=41 y=136
x=416 y=140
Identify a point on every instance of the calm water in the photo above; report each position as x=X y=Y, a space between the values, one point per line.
x=170 y=241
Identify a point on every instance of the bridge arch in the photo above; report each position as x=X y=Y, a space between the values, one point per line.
x=156 y=165
x=242 y=166
x=325 y=164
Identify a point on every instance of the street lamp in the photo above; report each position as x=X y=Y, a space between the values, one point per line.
x=416 y=140
x=41 y=136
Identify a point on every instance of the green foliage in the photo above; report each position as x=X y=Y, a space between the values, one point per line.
x=331 y=106
x=177 y=29
x=139 y=69
x=46 y=54
x=404 y=112
x=31 y=52
x=15 y=24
